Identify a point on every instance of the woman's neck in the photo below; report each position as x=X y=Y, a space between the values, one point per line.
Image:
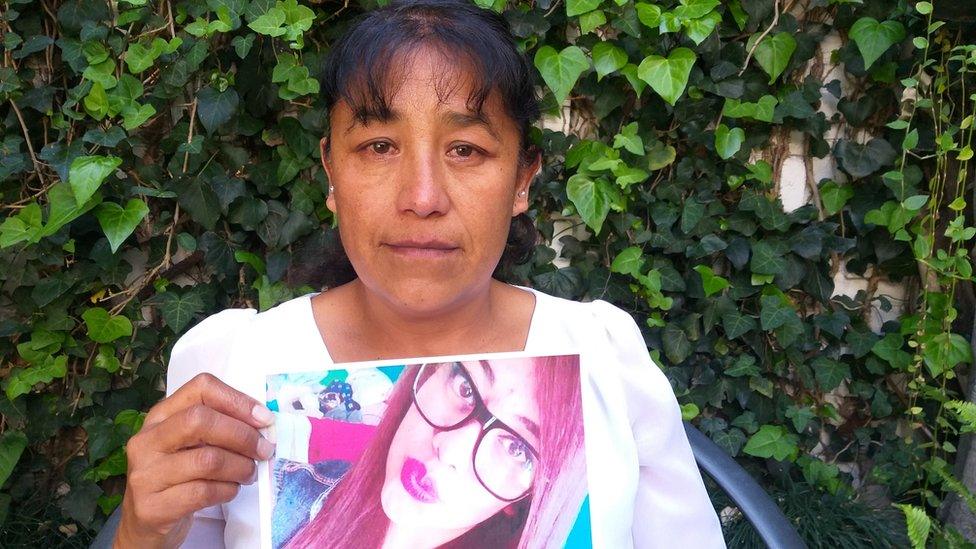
x=358 y=325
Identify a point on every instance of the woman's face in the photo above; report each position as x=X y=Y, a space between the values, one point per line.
x=424 y=199
x=431 y=479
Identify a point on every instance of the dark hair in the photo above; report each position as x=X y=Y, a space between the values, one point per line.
x=365 y=68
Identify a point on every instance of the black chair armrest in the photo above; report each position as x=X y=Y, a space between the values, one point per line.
x=765 y=516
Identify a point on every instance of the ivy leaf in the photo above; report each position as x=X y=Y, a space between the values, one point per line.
x=648 y=14
x=270 y=23
x=834 y=197
x=692 y=212
x=660 y=156
x=63 y=208
x=745 y=365
x=874 y=38
x=695 y=9
x=737 y=324
x=767 y=258
x=668 y=76
x=628 y=262
x=728 y=141
x=12 y=444
x=561 y=70
x=105 y=328
x=630 y=73
x=607 y=58
x=731 y=441
x=629 y=140
x=201 y=201
x=107 y=360
x=133 y=116
x=711 y=282
x=829 y=373
x=25 y=226
x=772 y=441
x=627 y=176
x=87 y=173
x=24 y=380
x=215 y=108
x=579 y=7
x=773 y=53
x=889 y=349
x=590 y=198
x=700 y=29
x=945 y=351
x=590 y=21
x=242 y=45
x=118 y=222
x=179 y=310
x=774 y=313
x=676 y=345
x=862 y=160
x=566 y=282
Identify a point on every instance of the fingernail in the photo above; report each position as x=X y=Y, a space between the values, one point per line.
x=265 y=449
x=262 y=414
x=254 y=476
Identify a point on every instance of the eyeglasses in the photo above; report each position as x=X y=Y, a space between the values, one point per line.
x=447 y=398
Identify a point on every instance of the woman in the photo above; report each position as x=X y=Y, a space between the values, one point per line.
x=473 y=454
x=430 y=163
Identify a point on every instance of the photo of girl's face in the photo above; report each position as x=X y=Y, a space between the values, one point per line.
x=466 y=448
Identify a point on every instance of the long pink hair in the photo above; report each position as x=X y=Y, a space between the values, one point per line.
x=353 y=516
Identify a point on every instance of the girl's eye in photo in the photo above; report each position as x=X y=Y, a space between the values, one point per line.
x=460 y=384
x=516 y=450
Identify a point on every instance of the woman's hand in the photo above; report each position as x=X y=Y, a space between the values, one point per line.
x=196 y=449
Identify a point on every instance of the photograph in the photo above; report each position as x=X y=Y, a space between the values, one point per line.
x=479 y=452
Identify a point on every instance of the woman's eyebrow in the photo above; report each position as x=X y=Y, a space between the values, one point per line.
x=466 y=120
x=364 y=118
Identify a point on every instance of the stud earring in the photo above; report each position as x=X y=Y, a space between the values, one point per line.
x=331 y=189
x=521 y=193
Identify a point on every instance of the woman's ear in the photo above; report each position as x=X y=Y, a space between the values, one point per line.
x=327 y=166
x=526 y=173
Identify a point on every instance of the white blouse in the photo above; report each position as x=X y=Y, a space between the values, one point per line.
x=645 y=489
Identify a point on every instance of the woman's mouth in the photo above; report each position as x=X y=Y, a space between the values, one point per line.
x=427 y=249
x=415 y=481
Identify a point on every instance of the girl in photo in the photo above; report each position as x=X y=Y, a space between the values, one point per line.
x=472 y=454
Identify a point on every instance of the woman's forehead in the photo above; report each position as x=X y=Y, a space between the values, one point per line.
x=423 y=80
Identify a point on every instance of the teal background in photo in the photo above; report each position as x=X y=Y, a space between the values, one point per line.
x=392 y=372
x=580 y=537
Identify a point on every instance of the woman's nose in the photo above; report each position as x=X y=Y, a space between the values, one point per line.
x=455 y=448
x=422 y=185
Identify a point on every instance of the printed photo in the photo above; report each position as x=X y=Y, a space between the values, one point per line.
x=469 y=453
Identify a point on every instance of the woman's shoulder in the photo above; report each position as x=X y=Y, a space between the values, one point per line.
x=206 y=347
x=595 y=313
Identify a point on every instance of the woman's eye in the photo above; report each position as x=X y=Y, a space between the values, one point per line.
x=381 y=147
x=463 y=151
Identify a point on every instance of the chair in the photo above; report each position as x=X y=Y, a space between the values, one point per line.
x=769 y=522
x=758 y=508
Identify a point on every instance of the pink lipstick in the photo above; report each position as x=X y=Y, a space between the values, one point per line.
x=415 y=481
